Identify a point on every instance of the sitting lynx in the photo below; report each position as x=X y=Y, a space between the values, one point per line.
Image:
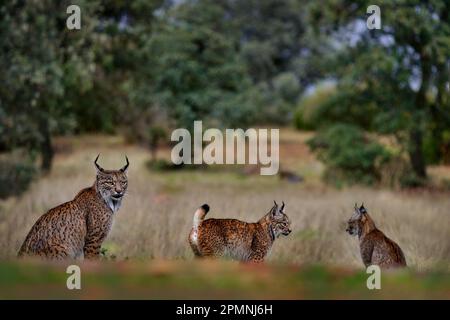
x=77 y=228
x=375 y=247
x=237 y=239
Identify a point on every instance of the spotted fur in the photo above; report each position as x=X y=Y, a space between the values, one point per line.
x=77 y=228
x=375 y=247
x=236 y=239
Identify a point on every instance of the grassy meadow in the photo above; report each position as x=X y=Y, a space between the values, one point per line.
x=147 y=254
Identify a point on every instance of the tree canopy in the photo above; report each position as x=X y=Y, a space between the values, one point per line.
x=139 y=64
x=394 y=80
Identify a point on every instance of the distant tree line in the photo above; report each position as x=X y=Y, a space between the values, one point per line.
x=139 y=65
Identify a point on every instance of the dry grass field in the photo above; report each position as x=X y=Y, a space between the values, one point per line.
x=156 y=216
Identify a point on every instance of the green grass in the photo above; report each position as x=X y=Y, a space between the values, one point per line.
x=213 y=280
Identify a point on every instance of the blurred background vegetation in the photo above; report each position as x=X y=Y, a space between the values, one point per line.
x=377 y=100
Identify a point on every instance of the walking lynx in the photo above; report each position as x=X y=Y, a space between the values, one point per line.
x=375 y=247
x=237 y=239
x=77 y=228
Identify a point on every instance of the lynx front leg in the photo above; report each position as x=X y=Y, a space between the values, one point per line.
x=91 y=249
x=259 y=251
x=257 y=257
x=97 y=231
x=366 y=253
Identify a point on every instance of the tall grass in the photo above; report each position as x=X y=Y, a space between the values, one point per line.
x=156 y=215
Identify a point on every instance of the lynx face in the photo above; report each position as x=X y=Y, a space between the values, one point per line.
x=356 y=222
x=112 y=185
x=279 y=221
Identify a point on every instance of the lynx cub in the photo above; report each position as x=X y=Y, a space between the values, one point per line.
x=77 y=228
x=375 y=247
x=237 y=239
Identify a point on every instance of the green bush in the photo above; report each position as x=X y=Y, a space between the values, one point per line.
x=299 y=120
x=436 y=149
x=350 y=156
x=15 y=177
x=411 y=180
x=307 y=113
x=287 y=87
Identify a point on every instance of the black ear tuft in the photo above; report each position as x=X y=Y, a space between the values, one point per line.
x=125 y=167
x=274 y=209
x=97 y=165
x=205 y=207
x=362 y=209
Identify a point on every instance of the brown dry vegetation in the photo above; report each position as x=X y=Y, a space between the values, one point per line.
x=156 y=216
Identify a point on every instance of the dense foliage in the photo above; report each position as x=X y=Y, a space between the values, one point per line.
x=350 y=155
x=394 y=80
x=139 y=64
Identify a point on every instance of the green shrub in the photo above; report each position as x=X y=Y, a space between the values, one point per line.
x=411 y=180
x=436 y=150
x=307 y=113
x=350 y=156
x=15 y=176
x=430 y=149
x=299 y=120
x=287 y=87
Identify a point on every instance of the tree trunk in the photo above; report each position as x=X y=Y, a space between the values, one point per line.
x=46 y=147
x=415 y=153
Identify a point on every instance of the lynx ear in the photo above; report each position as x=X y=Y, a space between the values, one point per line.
x=282 y=206
x=125 y=167
x=274 y=209
x=358 y=212
x=99 y=169
x=361 y=209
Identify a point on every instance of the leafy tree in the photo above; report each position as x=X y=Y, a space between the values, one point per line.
x=121 y=87
x=394 y=80
x=282 y=56
x=43 y=65
x=191 y=69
